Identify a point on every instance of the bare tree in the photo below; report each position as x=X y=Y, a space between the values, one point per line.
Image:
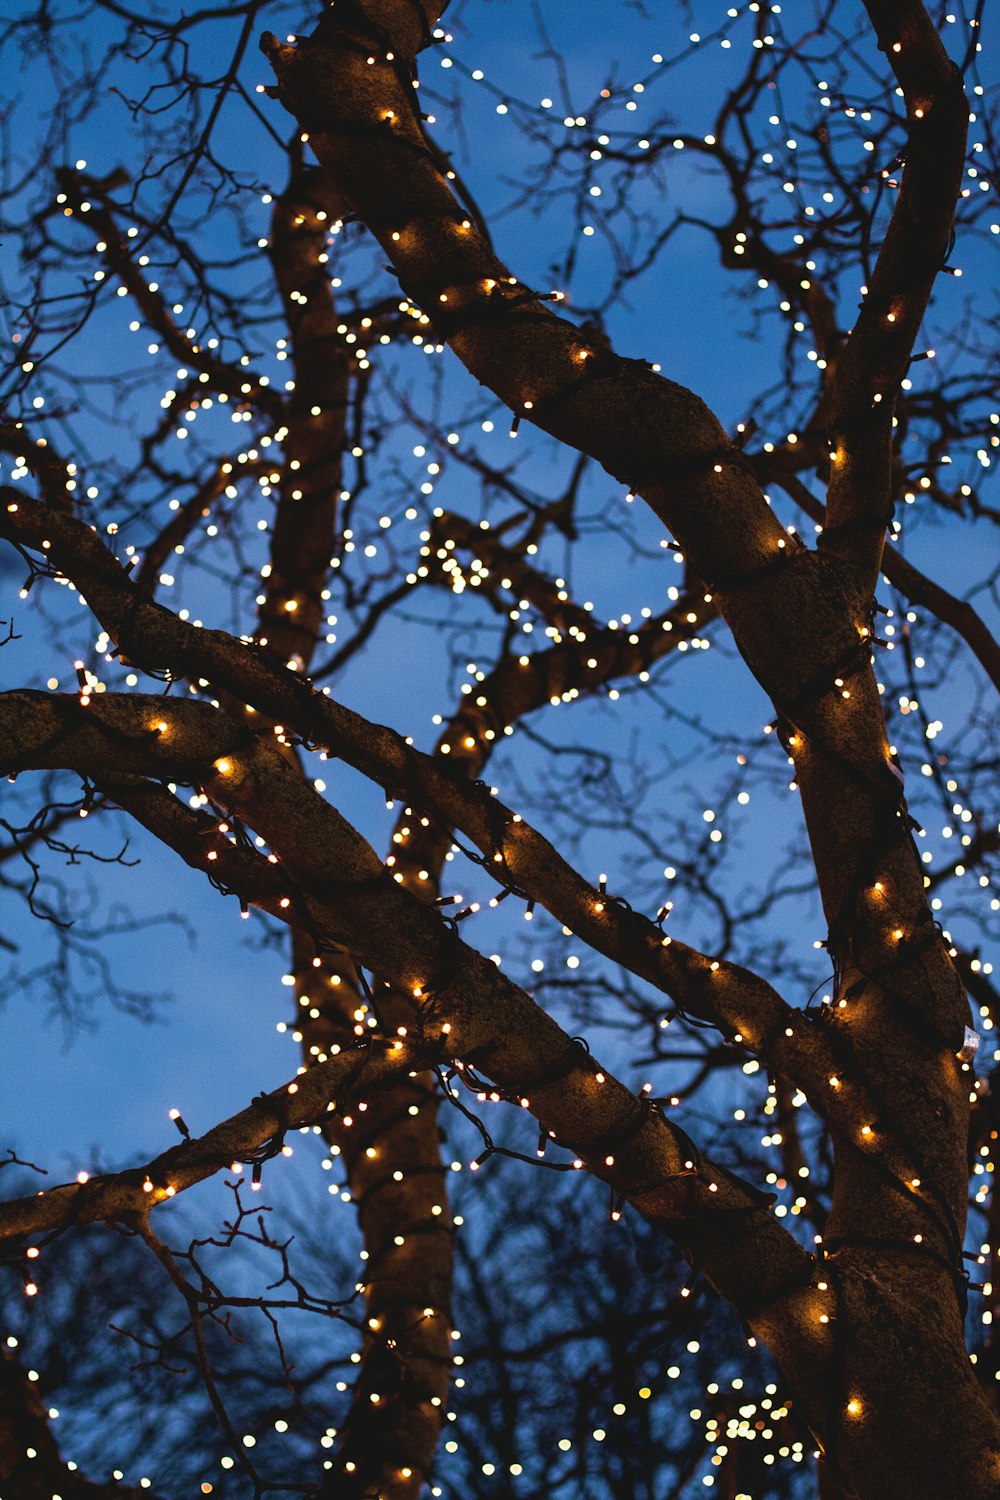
x=246 y=588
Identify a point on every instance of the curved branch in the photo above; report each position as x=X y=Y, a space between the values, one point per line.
x=878 y=349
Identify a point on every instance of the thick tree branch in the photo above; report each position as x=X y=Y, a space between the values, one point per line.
x=304 y=532
x=878 y=350
x=462 y=1007
x=124 y=1196
x=795 y=615
x=651 y=433
x=512 y=850
x=800 y=619
x=723 y=1224
x=916 y=586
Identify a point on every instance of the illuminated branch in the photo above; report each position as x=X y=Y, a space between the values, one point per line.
x=512 y=849
x=877 y=353
x=130 y=1194
x=391 y=1152
x=391 y=1155
x=741 y=242
x=654 y=435
x=216 y=374
x=572 y=668
x=463 y=1007
x=791 y=618
x=304 y=531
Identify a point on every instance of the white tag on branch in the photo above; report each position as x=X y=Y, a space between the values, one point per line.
x=970 y=1046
